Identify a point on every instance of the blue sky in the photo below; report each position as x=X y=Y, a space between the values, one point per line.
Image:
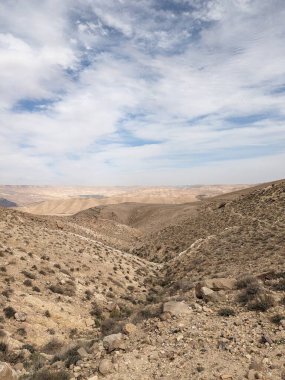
x=149 y=92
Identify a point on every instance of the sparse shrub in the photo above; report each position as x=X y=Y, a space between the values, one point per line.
x=245 y=281
x=3 y=269
x=277 y=318
x=88 y=294
x=29 y=275
x=46 y=374
x=52 y=347
x=73 y=332
x=9 y=312
x=36 y=289
x=262 y=303
x=251 y=290
x=29 y=347
x=28 y=282
x=280 y=286
x=37 y=361
x=226 y=312
x=69 y=356
x=47 y=314
x=3 y=348
x=22 y=331
x=7 y=292
x=151 y=311
x=96 y=310
x=110 y=326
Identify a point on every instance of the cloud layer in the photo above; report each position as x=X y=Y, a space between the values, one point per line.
x=150 y=92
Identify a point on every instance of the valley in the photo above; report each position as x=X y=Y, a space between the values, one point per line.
x=134 y=290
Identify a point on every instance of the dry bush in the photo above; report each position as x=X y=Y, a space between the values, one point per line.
x=46 y=374
x=9 y=312
x=262 y=303
x=29 y=275
x=226 y=312
x=52 y=347
x=277 y=318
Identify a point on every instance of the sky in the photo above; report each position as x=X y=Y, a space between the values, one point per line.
x=149 y=92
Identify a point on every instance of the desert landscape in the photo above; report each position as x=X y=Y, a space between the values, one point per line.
x=53 y=200
x=146 y=291
x=142 y=190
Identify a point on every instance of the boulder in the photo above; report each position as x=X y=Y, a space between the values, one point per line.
x=113 y=342
x=216 y=284
x=176 y=308
x=208 y=294
x=6 y=372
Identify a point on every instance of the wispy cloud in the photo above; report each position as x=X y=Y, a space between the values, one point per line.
x=148 y=92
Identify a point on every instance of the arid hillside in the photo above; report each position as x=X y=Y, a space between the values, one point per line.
x=138 y=291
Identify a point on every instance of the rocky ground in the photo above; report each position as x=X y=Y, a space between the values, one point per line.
x=91 y=297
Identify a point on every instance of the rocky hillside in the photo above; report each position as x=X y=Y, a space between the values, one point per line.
x=141 y=292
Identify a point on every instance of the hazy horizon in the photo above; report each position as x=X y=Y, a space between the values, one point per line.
x=149 y=93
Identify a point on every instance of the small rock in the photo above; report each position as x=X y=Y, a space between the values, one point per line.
x=105 y=367
x=253 y=375
x=256 y=365
x=82 y=352
x=19 y=366
x=113 y=342
x=20 y=317
x=266 y=339
x=129 y=329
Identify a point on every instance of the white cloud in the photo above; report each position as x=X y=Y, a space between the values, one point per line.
x=107 y=78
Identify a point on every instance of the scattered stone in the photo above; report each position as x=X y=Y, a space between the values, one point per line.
x=176 y=308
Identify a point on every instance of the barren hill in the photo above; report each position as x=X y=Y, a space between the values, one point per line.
x=146 y=291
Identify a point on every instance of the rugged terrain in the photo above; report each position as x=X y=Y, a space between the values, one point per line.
x=146 y=291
